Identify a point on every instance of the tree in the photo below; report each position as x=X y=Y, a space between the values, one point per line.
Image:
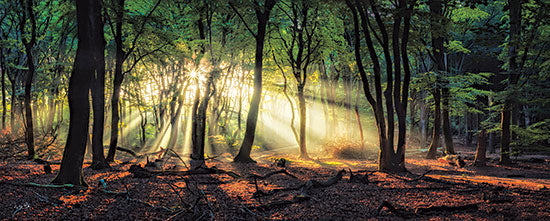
x=85 y=64
x=437 y=55
x=262 y=16
x=29 y=44
x=98 y=98
x=121 y=56
x=395 y=98
x=301 y=46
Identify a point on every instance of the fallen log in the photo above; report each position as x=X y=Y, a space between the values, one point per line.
x=140 y=172
x=399 y=212
x=304 y=192
x=283 y=171
x=431 y=209
x=131 y=152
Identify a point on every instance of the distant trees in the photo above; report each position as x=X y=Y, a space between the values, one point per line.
x=184 y=73
x=120 y=57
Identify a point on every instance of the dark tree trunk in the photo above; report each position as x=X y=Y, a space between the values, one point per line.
x=358 y=118
x=98 y=97
x=70 y=172
x=447 y=134
x=432 y=150
x=117 y=82
x=3 y=70
x=437 y=44
x=481 y=148
x=29 y=44
x=13 y=106
x=514 y=75
x=263 y=17
x=389 y=159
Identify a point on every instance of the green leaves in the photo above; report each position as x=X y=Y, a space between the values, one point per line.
x=465 y=14
x=455 y=46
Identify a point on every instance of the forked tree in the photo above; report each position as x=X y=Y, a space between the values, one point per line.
x=397 y=89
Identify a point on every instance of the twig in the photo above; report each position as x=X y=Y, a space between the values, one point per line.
x=149 y=204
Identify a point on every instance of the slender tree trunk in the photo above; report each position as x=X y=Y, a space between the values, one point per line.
x=515 y=32
x=98 y=98
x=447 y=134
x=302 y=112
x=3 y=70
x=13 y=106
x=432 y=150
x=199 y=121
x=358 y=118
x=29 y=44
x=244 y=153
x=70 y=171
x=117 y=82
x=437 y=44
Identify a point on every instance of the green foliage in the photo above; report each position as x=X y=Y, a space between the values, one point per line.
x=537 y=134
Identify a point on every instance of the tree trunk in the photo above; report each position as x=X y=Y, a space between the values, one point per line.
x=302 y=112
x=117 y=82
x=481 y=148
x=432 y=150
x=13 y=106
x=98 y=97
x=3 y=70
x=515 y=32
x=437 y=44
x=447 y=134
x=244 y=153
x=199 y=123
x=29 y=132
x=358 y=118
x=70 y=172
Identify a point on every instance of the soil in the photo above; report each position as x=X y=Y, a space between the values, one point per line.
x=513 y=192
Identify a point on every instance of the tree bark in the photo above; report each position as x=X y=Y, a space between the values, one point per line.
x=437 y=44
x=432 y=150
x=447 y=134
x=302 y=112
x=79 y=85
x=480 y=159
x=3 y=70
x=263 y=17
x=98 y=97
x=117 y=82
x=29 y=44
x=513 y=77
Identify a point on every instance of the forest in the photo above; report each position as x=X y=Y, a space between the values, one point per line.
x=275 y=109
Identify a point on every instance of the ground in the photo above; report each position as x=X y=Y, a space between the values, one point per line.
x=515 y=192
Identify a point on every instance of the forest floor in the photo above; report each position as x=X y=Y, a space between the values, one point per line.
x=514 y=192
